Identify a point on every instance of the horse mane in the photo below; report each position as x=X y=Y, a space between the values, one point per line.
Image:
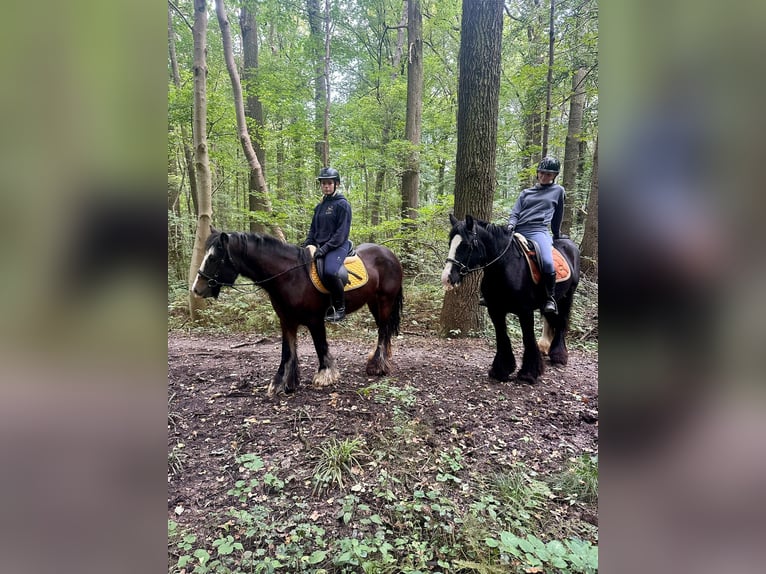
x=498 y=232
x=262 y=242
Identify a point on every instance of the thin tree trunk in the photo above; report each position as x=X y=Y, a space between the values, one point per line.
x=253 y=106
x=589 y=244
x=572 y=148
x=549 y=87
x=320 y=93
x=257 y=184
x=326 y=116
x=188 y=155
x=411 y=177
x=201 y=159
x=478 y=100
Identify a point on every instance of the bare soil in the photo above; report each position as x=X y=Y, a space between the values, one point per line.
x=218 y=408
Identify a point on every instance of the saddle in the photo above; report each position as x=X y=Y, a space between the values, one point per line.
x=355 y=275
x=531 y=251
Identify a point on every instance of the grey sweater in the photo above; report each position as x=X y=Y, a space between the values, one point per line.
x=539 y=206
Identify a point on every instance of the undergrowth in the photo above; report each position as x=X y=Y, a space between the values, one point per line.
x=378 y=505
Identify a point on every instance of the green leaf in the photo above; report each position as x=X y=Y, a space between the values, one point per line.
x=316 y=557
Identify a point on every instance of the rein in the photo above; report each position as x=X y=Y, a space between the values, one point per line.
x=213 y=282
x=465 y=270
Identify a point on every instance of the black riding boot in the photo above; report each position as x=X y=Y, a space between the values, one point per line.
x=550 y=284
x=337 y=312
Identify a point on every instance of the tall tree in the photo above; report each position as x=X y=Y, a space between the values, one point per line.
x=549 y=81
x=201 y=158
x=589 y=244
x=478 y=98
x=253 y=106
x=188 y=154
x=411 y=176
x=319 y=41
x=572 y=147
x=257 y=182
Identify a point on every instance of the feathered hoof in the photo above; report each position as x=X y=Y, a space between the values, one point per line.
x=326 y=377
x=526 y=379
x=502 y=376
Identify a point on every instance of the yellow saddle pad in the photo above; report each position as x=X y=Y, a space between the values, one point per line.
x=357 y=274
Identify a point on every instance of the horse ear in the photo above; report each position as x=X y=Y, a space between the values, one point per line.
x=224 y=237
x=468 y=222
x=452 y=219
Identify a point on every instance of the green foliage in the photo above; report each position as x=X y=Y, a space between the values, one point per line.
x=337 y=460
x=579 y=482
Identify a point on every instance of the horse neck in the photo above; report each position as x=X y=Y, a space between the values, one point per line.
x=259 y=257
x=494 y=244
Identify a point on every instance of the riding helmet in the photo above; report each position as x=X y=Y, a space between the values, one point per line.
x=329 y=173
x=549 y=165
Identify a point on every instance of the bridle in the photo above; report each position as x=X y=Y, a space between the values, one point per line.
x=213 y=281
x=463 y=269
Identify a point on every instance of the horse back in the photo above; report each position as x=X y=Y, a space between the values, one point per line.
x=381 y=262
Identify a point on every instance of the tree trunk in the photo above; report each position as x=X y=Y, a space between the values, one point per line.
x=253 y=106
x=326 y=115
x=549 y=82
x=320 y=87
x=572 y=148
x=257 y=183
x=188 y=155
x=411 y=176
x=201 y=161
x=478 y=96
x=589 y=244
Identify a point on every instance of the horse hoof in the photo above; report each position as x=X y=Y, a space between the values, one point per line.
x=502 y=377
x=559 y=359
x=274 y=390
x=526 y=379
x=326 y=377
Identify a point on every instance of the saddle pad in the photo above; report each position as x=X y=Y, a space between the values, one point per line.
x=563 y=272
x=357 y=274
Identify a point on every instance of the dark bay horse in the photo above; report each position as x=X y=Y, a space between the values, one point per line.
x=507 y=287
x=282 y=270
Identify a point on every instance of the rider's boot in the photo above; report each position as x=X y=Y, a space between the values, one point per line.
x=337 y=312
x=550 y=307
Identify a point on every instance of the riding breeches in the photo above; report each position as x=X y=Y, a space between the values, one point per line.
x=543 y=238
x=333 y=260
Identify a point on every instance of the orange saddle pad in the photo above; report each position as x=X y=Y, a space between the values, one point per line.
x=563 y=272
x=357 y=273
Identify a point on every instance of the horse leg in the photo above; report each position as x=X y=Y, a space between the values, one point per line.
x=287 y=377
x=532 y=362
x=327 y=374
x=504 y=362
x=379 y=360
x=558 y=353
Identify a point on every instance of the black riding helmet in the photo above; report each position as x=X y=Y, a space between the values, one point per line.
x=329 y=173
x=549 y=165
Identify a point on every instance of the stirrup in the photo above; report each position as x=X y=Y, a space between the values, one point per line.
x=336 y=316
x=550 y=307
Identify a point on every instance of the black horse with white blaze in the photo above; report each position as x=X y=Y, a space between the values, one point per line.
x=508 y=287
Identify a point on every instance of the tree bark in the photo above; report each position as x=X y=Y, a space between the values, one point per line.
x=478 y=97
x=201 y=159
x=589 y=244
x=188 y=155
x=411 y=176
x=253 y=106
x=257 y=183
x=320 y=86
x=572 y=148
x=549 y=82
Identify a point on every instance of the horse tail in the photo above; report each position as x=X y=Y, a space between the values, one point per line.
x=394 y=320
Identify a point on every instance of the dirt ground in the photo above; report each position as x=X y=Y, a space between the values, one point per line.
x=218 y=408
